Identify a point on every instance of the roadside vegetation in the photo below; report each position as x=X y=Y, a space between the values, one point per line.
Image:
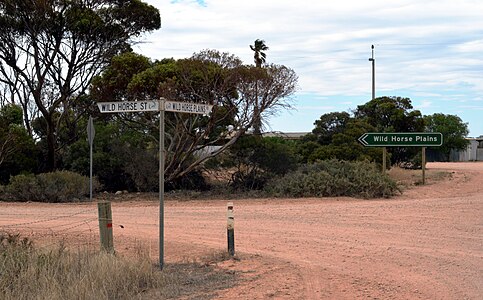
x=44 y=150
x=254 y=167
x=59 y=186
x=334 y=178
x=83 y=57
x=28 y=272
x=407 y=178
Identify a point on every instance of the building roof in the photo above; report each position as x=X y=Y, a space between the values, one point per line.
x=285 y=135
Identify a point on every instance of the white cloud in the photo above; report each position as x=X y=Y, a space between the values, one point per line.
x=424 y=104
x=430 y=47
x=321 y=108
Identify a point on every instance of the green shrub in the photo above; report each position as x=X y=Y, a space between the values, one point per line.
x=22 y=187
x=250 y=179
x=258 y=159
x=59 y=186
x=334 y=178
x=193 y=181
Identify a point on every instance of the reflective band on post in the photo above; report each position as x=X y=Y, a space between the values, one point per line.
x=230 y=229
x=109 y=225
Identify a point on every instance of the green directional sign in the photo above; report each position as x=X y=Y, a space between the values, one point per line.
x=401 y=139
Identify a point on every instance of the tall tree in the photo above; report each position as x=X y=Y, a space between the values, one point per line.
x=51 y=49
x=454 y=131
x=17 y=148
x=209 y=77
x=335 y=136
x=259 y=57
x=393 y=114
x=330 y=124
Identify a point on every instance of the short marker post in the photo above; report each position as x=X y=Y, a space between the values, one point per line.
x=230 y=229
x=105 y=226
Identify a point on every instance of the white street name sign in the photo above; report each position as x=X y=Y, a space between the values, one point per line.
x=128 y=106
x=154 y=105
x=187 y=107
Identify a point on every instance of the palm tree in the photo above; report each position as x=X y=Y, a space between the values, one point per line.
x=259 y=56
x=258 y=47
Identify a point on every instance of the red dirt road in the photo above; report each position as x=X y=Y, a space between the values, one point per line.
x=424 y=244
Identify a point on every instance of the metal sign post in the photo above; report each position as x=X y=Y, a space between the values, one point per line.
x=91 y=132
x=160 y=105
x=161 y=183
x=423 y=164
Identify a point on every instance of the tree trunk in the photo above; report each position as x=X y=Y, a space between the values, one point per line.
x=51 y=161
x=257 y=122
x=26 y=119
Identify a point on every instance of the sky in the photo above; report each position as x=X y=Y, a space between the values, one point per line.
x=430 y=51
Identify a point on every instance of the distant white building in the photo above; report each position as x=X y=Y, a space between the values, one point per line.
x=473 y=152
x=207 y=151
x=285 y=135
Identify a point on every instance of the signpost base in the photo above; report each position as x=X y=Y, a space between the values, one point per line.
x=384 y=154
x=423 y=164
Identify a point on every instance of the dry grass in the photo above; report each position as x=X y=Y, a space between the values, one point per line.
x=30 y=273
x=406 y=178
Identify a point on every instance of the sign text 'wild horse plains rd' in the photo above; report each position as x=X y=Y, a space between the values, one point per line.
x=401 y=139
x=187 y=107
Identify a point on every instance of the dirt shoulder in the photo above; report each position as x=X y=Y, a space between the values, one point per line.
x=424 y=244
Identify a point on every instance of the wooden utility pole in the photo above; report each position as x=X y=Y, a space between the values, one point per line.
x=373 y=60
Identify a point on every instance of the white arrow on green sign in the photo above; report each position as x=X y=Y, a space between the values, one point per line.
x=401 y=139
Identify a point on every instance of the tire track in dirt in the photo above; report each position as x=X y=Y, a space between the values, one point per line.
x=424 y=244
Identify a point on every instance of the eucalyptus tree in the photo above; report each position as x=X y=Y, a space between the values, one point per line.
x=393 y=114
x=208 y=77
x=17 y=148
x=453 y=129
x=51 y=49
